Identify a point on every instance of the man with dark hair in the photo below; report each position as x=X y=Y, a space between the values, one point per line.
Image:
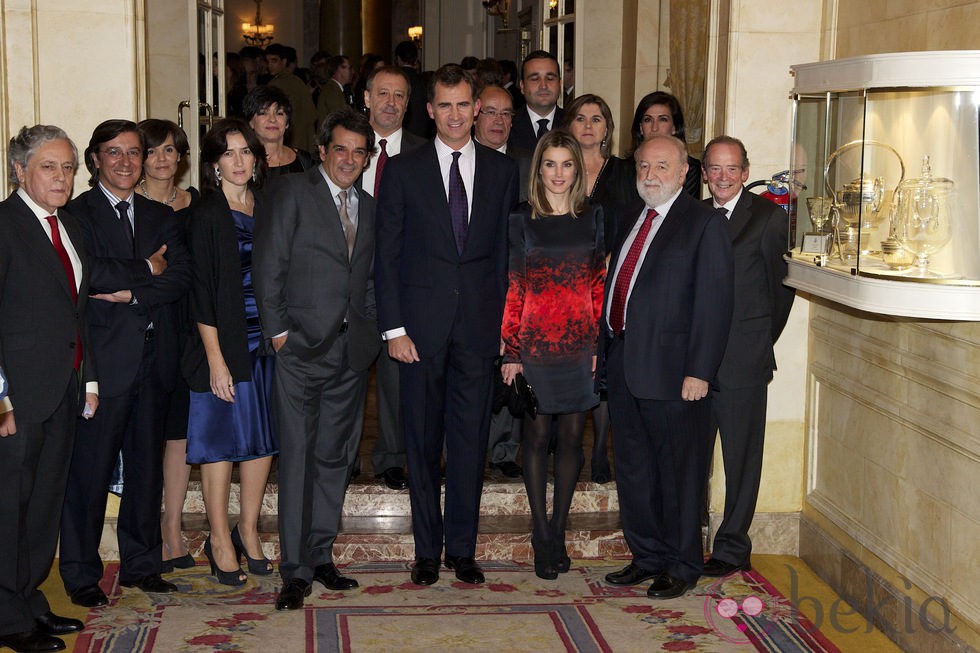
x=45 y=353
x=386 y=98
x=667 y=309
x=333 y=94
x=541 y=86
x=509 y=81
x=140 y=269
x=314 y=246
x=758 y=230
x=278 y=57
x=441 y=280
x=417 y=119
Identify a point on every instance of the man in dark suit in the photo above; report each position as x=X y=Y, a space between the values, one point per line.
x=492 y=128
x=541 y=86
x=441 y=261
x=417 y=119
x=668 y=307
x=509 y=82
x=140 y=269
x=386 y=96
x=44 y=353
x=738 y=403
x=314 y=243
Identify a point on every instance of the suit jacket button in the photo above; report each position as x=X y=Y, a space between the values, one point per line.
x=456 y=290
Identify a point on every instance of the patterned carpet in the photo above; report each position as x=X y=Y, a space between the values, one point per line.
x=514 y=611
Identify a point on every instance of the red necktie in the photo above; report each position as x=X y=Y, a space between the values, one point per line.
x=59 y=249
x=617 y=313
x=380 y=166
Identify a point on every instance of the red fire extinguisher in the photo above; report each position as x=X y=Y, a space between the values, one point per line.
x=778 y=191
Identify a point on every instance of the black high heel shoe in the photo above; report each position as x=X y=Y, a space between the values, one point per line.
x=544 y=562
x=562 y=562
x=233 y=578
x=258 y=566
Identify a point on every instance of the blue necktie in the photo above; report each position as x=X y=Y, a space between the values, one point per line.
x=457 y=204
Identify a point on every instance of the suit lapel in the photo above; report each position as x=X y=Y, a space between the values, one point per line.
x=331 y=216
x=37 y=241
x=741 y=215
x=430 y=176
x=105 y=218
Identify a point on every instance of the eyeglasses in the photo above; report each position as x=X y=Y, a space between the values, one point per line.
x=118 y=153
x=493 y=114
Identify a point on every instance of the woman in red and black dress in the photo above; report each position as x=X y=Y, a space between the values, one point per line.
x=550 y=328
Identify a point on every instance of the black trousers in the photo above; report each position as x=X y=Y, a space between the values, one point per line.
x=33 y=471
x=661 y=452
x=132 y=423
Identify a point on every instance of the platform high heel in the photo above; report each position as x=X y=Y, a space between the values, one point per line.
x=233 y=578
x=258 y=566
x=544 y=562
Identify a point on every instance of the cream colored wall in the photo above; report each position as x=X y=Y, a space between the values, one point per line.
x=71 y=64
x=874 y=26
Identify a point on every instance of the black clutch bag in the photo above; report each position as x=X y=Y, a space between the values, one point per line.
x=518 y=397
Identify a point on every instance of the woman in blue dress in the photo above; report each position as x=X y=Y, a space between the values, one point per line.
x=227 y=363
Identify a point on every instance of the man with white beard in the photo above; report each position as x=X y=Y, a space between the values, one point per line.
x=668 y=306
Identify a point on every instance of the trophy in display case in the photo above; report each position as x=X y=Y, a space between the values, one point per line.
x=859 y=204
x=923 y=214
x=820 y=240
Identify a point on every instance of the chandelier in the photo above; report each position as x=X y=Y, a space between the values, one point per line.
x=258 y=33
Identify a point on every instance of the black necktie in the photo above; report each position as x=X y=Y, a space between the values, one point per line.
x=458 y=208
x=542 y=127
x=123 y=209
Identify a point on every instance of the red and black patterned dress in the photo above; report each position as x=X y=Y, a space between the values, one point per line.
x=554 y=301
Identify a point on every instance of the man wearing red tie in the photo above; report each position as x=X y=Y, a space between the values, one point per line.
x=44 y=277
x=386 y=96
x=668 y=306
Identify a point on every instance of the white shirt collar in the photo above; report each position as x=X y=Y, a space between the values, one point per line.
x=334 y=188
x=664 y=209
x=444 y=151
x=35 y=208
x=535 y=117
x=730 y=205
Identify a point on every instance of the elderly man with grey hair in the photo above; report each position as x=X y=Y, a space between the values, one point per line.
x=44 y=283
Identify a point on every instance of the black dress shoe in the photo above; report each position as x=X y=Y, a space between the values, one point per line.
x=292 y=594
x=394 y=478
x=716 y=568
x=508 y=468
x=51 y=624
x=328 y=576
x=425 y=571
x=151 y=583
x=33 y=641
x=466 y=569
x=90 y=596
x=630 y=575
x=668 y=587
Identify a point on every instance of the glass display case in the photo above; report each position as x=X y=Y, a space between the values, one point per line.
x=886 y=158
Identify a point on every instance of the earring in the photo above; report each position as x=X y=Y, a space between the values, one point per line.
x=255 y=173
x=217 y=174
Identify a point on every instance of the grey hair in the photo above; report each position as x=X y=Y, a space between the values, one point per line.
x=28 y=141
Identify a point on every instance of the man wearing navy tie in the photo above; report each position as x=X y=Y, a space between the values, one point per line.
x=441 y=257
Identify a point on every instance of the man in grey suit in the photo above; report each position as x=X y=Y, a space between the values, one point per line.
x=314 y=246
x=44 y=281
x=762 y=304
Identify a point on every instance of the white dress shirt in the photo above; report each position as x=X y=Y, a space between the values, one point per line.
x=393 y=146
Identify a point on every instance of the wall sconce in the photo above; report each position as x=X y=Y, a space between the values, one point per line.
x=498 y=8
x=258 y=33
x=415 y=33
x=552 y=4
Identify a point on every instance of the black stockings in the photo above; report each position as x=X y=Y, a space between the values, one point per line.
x=568 y=464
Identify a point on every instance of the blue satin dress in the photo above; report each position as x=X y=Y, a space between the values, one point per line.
x=243 y=430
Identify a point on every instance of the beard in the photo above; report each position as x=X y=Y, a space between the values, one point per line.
x=656 y=193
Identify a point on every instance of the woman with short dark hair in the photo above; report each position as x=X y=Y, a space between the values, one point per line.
x=268 y=111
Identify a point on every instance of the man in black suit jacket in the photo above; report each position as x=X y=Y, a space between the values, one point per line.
x=44 y=352
x=314 y=245
x=417 y=120
x=441 y=261
x=541 y=85
x=140 y=269
x=668 y=307
x=758 y=231
x=492 y=128
x=386 y=95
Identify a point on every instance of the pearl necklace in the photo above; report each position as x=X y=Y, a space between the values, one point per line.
x=173 y=195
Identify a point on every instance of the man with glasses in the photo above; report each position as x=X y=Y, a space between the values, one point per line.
x=140 y=268
x=541 y=84
x=492 y=128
